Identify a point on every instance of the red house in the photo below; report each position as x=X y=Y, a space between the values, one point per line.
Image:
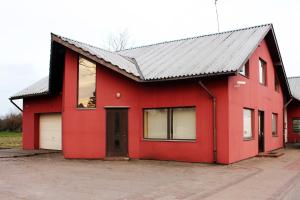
x=293 y=111
x=213 y=98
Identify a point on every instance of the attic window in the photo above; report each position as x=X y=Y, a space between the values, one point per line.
x=262 y=72
x=244 y=71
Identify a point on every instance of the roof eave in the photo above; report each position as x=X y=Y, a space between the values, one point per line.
x=229 y=73
x=280 y=61
x=29 y=95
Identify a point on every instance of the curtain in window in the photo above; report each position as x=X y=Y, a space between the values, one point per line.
x=247 y=123
x=274 y=124
x=184 y=123
x=156 y=123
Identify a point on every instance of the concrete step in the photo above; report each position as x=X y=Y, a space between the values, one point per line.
x=116 y=159
x=271 y=154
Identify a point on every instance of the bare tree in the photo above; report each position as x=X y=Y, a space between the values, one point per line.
x=11 y=122
x=120 y=41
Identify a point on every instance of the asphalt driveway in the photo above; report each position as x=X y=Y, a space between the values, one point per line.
x=50 y=176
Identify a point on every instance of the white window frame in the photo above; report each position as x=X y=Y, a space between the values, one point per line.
x=246 y=134
x=170 y=125
x=262 y=72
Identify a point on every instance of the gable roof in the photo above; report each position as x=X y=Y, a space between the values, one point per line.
x=208 y=55
x=294 y=83
x=219 y=53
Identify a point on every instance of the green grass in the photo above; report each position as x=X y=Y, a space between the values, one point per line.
x=10 y=139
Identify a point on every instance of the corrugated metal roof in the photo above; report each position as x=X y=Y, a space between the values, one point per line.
x=38 y=88
x=294 y=83
x=209 y=54
x=112 y=57
x=218 y=53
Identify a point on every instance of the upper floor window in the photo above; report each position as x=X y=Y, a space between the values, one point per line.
x=86 y=84
x=170 y=123
x=262 y=72
x=244 y=71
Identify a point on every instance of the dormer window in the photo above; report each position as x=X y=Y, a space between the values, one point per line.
x=244 y=71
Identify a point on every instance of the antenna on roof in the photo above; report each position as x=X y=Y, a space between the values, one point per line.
x=217 y=15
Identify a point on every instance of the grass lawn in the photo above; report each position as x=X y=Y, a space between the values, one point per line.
x=10 y=139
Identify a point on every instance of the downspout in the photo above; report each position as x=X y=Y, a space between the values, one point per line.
x=15 y=104
x=213 y=97
x=285 y=124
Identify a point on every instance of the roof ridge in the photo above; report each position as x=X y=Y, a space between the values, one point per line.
x=190 y=38
x=84 y=43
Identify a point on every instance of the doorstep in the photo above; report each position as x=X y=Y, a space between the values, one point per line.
x=271 y=154
x=117 y=159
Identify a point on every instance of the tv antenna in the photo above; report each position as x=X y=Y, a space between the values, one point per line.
x=217 y=15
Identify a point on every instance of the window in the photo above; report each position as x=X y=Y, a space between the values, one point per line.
x=277 y=85
x=170 y=123
x=156 y=123
x=274 y=124
x=262 y=72
x=247 y=129
x=244 y=71
x=296 y=125
x=86 y=84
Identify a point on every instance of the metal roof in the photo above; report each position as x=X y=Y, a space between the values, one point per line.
x=208 y=54
x=38 y=88
x=114 y=58
x=294 y=83
x=219 y=53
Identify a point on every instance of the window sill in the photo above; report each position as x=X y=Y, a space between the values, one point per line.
x=163 y=140
x=249 y=139
x=274 y=135
x=86 y=108
x=262 y=84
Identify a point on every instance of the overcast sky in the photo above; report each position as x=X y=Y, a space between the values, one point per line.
x=26 y=27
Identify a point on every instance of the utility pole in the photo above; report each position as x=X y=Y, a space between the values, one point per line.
x=217 y=15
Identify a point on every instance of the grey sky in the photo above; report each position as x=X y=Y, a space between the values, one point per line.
x=26 y=26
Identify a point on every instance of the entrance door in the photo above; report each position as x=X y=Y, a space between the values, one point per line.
x=116 y=132
x=261 y=131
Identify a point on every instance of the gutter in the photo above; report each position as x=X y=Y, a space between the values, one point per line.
x=213 y=97
x=11 y=100
x=285 y=123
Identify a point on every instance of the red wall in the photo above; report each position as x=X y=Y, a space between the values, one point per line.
x=32 y=107
x=293 y=112
x=258 y=97
x=84 y=130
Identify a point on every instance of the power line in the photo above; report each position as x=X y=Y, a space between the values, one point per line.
x=217 y=15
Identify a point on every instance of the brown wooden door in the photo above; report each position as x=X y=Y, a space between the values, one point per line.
x=116 y=132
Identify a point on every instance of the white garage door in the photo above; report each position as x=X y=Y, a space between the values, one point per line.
x=50 y=131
